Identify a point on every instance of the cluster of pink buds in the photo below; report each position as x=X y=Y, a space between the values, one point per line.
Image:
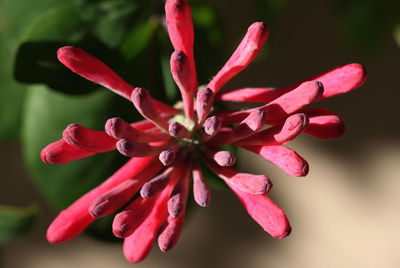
x=166 y=148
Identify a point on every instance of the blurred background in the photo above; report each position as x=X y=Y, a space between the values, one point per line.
x=345 y=213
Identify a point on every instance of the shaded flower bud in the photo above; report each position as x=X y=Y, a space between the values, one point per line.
x=167 y=157
x=204 y=101
x=212 y=125
x=224 y=158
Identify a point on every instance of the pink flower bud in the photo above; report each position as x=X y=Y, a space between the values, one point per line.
x=284 y=158
x=177 y=130
x=245 y=53
x=144 y=104
x=119 y=129
x=93 y=69
x=254 y=184
x=167 y=157
x=155 y=185
x=224 y=158
x=200 y=190
x=88 y=139
x=324 y=124
x=184 y=78
x=170 y=232
x=279 y=134
x=212 y=125
x=204 y=101
x=60 y=152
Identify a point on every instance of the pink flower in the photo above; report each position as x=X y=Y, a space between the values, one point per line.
x=164 y=150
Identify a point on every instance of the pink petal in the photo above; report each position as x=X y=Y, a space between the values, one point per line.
x=324 y=124
x=265 y=212
x=283 y=157
x=244 y=54
x=74 y=219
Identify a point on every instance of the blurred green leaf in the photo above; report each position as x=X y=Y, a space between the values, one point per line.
x=364 y=23
x=208 y=41
x=112 y=20
x=269 y=10
x=15 y=17
x=36 y=63
x=11 y=93
x=61 y=23
x=138 y=38
x=15 y=221
x=396 y=34
x=47 y=114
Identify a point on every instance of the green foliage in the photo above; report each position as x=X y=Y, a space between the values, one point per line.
x=15 y=16
x=364 y=23
x=15 y=221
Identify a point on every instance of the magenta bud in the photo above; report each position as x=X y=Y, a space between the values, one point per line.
x=144 y=103
x=204 y=101
x=121 y=225
x=170 y=233
x=155 y=185
x=256 y=120
x=177 y=130
x=88 y=139
x=175 y=204
x=224 y=158
x=200 y=190
x=255 y=184
x=167 y=157
x=212 y=125
x=185 y=78
x=133 y=149
x=97 y=209
x=179 y=66
x=119 y=129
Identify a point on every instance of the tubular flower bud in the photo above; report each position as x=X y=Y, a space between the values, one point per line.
x=169 y=148
x=204 y=102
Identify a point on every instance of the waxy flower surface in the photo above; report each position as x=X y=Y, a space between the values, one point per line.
x=166 y=148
